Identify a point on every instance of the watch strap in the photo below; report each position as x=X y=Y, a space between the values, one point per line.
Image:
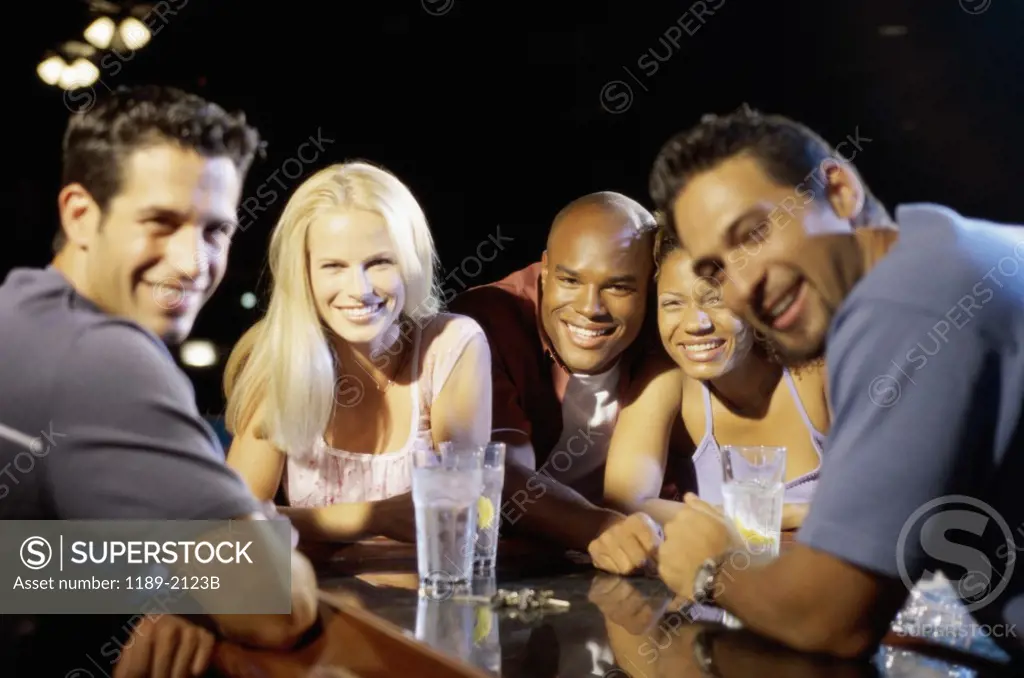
x=704 y=583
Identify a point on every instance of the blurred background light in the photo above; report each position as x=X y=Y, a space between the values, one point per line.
x=100 y=32
x=50 y=68
x=112 y=29
x=81 y=73
x=199 y=353
x=134 y=34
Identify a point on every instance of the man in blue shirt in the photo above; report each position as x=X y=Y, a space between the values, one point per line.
x=922 y=329
x=96 y=420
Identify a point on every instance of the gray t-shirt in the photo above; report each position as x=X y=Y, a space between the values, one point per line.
x=924 y=465
x=97 y=420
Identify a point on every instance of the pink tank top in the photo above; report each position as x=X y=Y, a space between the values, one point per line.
x=707 y=460
x=326 y=475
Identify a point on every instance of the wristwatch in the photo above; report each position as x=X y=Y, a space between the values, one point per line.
x=704 y=582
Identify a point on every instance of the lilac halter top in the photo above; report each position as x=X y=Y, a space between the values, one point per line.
x=707 y=460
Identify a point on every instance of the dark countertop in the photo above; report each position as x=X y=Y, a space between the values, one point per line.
x=614 y=627
x=374 y=623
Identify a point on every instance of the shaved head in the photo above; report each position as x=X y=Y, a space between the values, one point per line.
x=595 y=275
x=601 y=209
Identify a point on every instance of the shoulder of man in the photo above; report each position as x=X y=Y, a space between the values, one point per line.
x=950 y=266
x=505 y=309
x=66 y=344
x=113 y=353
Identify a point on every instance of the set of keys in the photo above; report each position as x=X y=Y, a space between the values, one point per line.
x=523 y=604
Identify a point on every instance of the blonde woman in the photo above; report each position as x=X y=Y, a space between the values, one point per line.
x=353 y=364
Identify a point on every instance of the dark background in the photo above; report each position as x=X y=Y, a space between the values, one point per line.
x=499 y=113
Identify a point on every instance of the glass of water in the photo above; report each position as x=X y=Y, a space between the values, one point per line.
x=446 y=486
x=485 y=546
x=753 y=489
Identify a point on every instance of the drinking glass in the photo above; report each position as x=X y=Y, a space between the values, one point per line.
x=485 y=545
x=753 y=488
x=446 y=487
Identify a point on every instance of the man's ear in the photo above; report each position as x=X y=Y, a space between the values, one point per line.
x=543 y=269
x=845 y=191
x=80 y=216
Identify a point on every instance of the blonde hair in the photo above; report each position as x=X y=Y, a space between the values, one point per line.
x=284 y=367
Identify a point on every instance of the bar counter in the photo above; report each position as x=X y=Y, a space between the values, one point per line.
x=376 y=624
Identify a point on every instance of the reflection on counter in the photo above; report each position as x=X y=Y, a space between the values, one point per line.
x=614 y=627
x=469 y=630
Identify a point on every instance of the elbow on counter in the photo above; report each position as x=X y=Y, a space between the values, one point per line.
x=284 y=632
x=280 y=631
x=273 y=631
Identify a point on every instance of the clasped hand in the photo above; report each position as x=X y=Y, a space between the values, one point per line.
x=698 y=532
x=627 y=545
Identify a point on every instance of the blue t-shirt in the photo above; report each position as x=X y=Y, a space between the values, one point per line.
x=924 y=464
x=96 y=420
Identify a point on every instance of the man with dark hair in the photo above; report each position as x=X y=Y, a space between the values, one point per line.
x=89 y=393
x=790 y=153
x=98 y=142
x=567 y=337
x=923 y=466
x=120 y=242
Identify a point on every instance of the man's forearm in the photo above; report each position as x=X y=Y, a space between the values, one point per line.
x=535 y=502
x=775 y=601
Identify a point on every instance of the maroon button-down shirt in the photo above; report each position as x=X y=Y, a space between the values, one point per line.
x=529 y=378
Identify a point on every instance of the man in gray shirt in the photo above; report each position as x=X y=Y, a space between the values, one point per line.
x=922 y=329
x=96 y=420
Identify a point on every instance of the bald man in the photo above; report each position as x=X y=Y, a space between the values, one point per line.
x=567 y=336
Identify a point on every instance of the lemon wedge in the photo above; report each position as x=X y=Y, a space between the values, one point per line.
x=482 y=628
x=484 y=512
x=753 y=537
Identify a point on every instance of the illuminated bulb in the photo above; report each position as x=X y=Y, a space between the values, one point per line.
x=81 y=73
x=134 y=33
x=248 y=300
x=101 y=32
x=50 y=70
x=199 y=353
